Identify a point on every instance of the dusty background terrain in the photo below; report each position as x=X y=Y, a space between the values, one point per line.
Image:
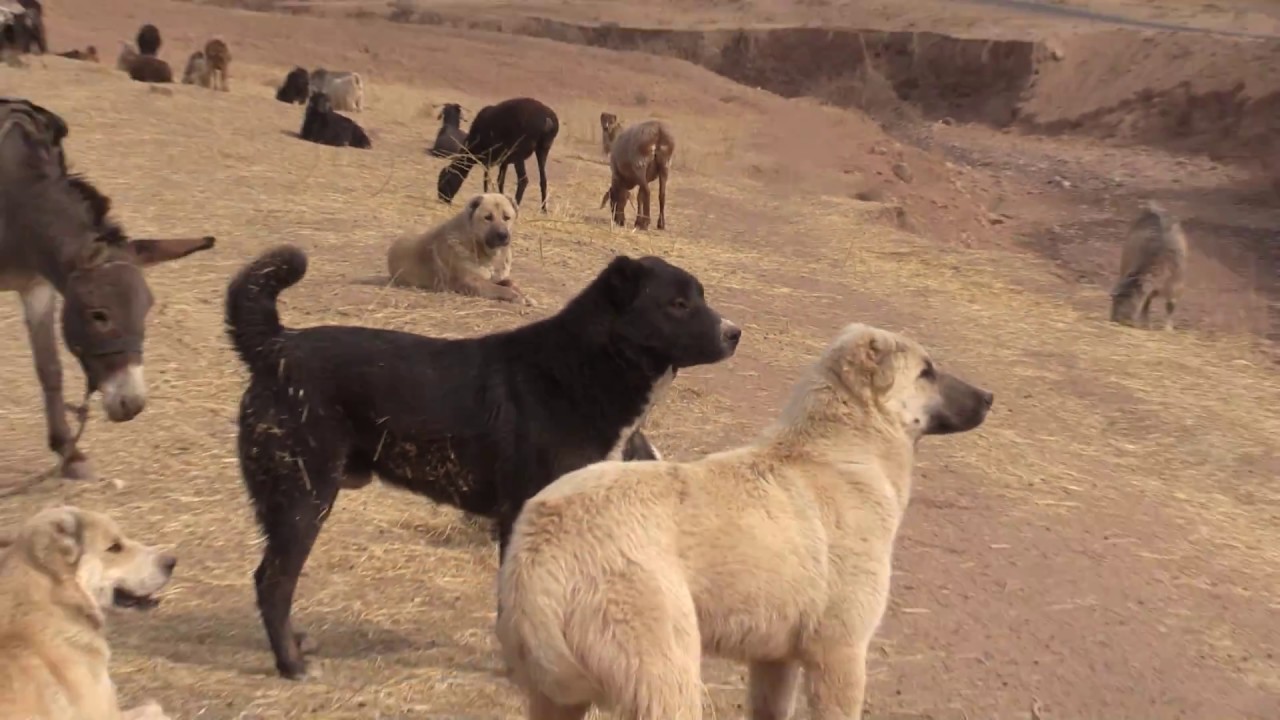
x=1104 y=547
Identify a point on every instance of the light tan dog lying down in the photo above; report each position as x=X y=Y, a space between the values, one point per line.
x=469 y=254
x=61 y=570
x=776 y=554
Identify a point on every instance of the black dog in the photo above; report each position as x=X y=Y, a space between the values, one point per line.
x=480 y=423
x=296 y=87
x=322 y=125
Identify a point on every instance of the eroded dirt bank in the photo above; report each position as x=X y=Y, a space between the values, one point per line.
x=1197 y=93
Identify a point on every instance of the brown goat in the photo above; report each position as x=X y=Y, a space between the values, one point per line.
x=640 y=153
x=217 y=56
x=610 y=126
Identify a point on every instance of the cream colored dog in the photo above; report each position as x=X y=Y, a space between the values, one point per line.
x=470 y=253
x=62 y=569
x=777 y=554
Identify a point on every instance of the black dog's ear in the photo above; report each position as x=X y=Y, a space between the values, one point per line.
x=623 y=279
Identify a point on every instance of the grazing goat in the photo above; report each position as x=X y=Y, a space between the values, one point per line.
x=296 y=87
x=148 y=40
x=143 y=67
x=89 y=54
x=197 y=70
x=641 y=153
x=324 y=126
x=504 y=134
x=344 y=89
x=217 y=57
x=1152 y=264
x=610 y=126
x=450 y=139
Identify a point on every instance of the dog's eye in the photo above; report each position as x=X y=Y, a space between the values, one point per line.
x=680 y=304
x=489 y=217
x=116 y=547
x=506 y=218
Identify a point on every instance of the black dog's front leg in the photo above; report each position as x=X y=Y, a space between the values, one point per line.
x=638 y=448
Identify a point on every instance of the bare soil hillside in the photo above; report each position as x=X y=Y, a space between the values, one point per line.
x=1105 y=547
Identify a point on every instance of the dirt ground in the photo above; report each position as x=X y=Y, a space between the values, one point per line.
x=1105 y=547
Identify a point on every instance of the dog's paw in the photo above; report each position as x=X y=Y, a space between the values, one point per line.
x=528 y=301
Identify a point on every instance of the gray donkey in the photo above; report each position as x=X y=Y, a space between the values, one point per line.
x=56 y=239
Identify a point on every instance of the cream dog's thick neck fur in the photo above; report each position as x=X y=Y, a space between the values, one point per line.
x=620 y=576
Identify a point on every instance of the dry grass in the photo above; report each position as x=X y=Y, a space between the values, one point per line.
x=398 y=594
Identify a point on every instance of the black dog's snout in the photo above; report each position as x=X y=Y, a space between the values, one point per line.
x=731 y=335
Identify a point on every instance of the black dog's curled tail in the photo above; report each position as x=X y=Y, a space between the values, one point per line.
x=253 y=323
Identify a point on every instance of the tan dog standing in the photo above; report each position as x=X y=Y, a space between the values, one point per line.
x=62 y=569
x=776 y=554
x=217 y=56
x=470 y=253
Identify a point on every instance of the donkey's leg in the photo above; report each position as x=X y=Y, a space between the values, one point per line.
x=38 y=302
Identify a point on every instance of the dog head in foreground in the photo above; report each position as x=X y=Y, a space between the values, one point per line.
x=663 y=310
x=87 y=549
x=871 y=375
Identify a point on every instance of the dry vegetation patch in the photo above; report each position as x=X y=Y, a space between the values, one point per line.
x=398 y=593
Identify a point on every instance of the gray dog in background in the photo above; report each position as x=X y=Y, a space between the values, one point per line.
x=1152 y=264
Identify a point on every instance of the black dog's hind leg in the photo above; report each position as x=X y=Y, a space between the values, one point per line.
x=291 y=514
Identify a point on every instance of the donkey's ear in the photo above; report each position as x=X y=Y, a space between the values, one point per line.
x=153 y=252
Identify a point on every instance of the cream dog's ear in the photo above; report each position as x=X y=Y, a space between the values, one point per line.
x=55 y=540
x=867 y=364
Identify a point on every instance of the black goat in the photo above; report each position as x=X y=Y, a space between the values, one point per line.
x=504 y=134
x=324 y=126
x=148 y=40
x=297 y=85
x=150 y=69
x=450 y=139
